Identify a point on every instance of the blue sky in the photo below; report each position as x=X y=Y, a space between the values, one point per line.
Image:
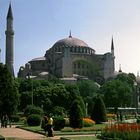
x=38 y=24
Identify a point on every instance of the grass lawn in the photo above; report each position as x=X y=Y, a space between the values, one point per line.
x=69 y=131
x=84 y=138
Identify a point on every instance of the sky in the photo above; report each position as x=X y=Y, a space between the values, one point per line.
x=38 y=24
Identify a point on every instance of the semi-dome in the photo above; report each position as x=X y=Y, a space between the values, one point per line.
x=71 y=42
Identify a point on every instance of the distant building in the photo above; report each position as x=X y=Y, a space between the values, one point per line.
x=71 y=58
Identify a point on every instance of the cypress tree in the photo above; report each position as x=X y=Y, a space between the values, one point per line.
x=76 y=116
x=99 y=111
x=8 y=92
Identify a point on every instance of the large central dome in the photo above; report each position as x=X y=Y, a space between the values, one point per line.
x=71 y=41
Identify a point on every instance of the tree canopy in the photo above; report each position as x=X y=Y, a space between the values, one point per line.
x=9 y=97
x=117 y=93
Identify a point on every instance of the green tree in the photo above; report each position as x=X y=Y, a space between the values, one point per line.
x=99 y=111
x=59 y=95
x=88 y=90
x=76 y=116
x=127 y=78
x=117 y=93
x=82 y=105
x=9 y=97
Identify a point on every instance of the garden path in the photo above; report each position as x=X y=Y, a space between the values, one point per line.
x=14 y=133
x=21 y=134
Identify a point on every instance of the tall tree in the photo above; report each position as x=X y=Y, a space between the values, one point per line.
x=117 y=93
x=9 y=97
x=76 y=116
x=127 y=78
x=99 y=111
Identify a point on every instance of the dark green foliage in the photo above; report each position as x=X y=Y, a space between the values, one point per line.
x=58 y=123
x=87 y=124
x=25 y=99
x=76 y=116
x=99 y=111
x=33 y=110
x=43 y=124
x=15 y=118
x=34 y=120
x=82 y=105
x=127 y=78
x=88 y=89
x=59 y=95
x=117 y=93
x=58 y=111
x=2 y=138
x=9 y=97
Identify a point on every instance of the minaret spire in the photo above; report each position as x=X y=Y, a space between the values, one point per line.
x=0 y=55
x=10 y=14
x=9 y=40
x=112 y=44
x=120 y=69
x=70 y=34
x=112 y=47
x=137 y=73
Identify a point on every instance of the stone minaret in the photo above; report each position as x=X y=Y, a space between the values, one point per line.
x=112 y=47
x=9 y=41
x=0 y=55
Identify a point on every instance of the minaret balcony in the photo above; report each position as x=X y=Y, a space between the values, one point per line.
x=9 y=32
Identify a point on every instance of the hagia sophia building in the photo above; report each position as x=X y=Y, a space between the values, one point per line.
x=68 y=59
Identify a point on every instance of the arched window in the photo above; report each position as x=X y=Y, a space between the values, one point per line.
x=78 y=65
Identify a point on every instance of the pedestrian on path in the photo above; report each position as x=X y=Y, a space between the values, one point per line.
x=49 y=126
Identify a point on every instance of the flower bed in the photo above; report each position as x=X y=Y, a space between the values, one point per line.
x=122 y=131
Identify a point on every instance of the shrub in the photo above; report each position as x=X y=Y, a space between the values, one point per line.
x=59 y=123
x=67 y=121
x=33 y=110
x=15 y=118
x=34 y=120
x=87 y=122
x=58 y=111
x=138 y=121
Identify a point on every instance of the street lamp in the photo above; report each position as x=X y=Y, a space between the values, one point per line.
x=32 y=93
x=136 y=95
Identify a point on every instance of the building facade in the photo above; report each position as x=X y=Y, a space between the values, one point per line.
x=71 y=57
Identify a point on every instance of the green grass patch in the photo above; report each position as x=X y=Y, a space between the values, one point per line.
x=96 y=129
x=82 y=138
x=2 y=138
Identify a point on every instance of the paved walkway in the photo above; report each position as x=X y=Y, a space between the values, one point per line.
x=20 y=134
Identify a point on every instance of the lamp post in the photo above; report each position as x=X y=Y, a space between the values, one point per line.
x=136 y=95
x=32 y=93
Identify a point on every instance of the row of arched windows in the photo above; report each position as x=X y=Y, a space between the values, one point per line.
x=75 y=49
x=80 y=66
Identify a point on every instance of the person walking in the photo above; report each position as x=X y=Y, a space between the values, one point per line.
x=2 y=121
x=49 y=126
x=45 y=124
x=5 y=120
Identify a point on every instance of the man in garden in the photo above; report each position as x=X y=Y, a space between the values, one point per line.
x=49 y=126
